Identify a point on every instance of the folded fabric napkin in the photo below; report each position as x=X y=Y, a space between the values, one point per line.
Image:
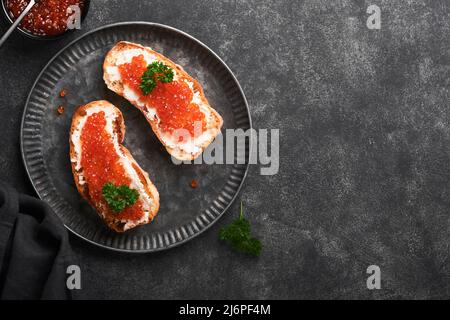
x=34 y=249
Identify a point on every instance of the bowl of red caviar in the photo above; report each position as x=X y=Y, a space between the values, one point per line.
x=48 y=19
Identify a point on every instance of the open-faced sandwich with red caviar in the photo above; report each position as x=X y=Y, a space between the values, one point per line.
x=171 y=100
x=105 y=173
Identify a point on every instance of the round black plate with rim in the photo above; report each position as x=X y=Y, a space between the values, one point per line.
x=184 y=212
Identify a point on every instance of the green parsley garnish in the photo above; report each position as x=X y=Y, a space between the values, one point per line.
x=238 y=236
x=157 y=71
x=119 y=197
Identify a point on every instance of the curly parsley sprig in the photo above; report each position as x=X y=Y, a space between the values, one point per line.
x=156 y=71
x=238 y=236
x=119 y=197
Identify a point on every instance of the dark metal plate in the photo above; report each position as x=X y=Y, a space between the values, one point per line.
x=184 y=212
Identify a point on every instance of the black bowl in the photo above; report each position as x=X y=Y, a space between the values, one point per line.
x=39 y=37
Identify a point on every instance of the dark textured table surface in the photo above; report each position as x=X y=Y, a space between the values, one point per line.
x=365 y=150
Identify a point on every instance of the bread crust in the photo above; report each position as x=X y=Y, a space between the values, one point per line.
x=119 y=134
x=214 y=121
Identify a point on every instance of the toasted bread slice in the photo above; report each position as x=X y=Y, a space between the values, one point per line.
x=98 y=156
x=123 y=52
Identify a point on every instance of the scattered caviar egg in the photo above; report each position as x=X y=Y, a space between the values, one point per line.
x=194 y=184
x=60 y=109
x=46 y=18
x=62 y=93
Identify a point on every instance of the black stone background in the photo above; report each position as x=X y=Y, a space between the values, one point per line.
x=365 y=149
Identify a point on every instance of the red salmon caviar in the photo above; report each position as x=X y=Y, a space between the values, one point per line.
x=194 y=184
x=46 y=18
x=172 y=101
x=101 y=164
x=60 y=110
